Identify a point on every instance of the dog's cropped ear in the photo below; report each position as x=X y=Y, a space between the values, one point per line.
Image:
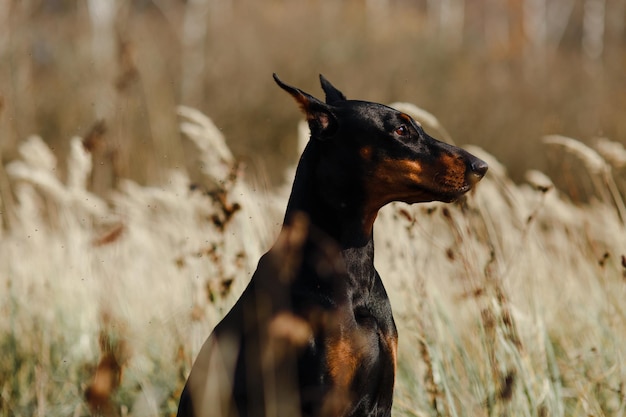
x=332 y=94
x=322 y=121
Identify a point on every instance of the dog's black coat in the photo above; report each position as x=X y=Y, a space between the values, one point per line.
x=313 y=334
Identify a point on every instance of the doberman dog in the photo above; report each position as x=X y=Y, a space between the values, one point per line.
x=313 y=333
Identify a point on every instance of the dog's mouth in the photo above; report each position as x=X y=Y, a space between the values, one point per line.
x=448 y=188
x=454 y=183
x=412 y=182
x=425 y=195
x=451 y=197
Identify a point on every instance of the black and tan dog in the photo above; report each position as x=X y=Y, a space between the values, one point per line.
x=313 y=333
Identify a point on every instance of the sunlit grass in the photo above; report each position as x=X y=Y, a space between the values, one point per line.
x=509 y=302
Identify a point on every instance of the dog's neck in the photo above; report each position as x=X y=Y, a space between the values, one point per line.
x=337 y=212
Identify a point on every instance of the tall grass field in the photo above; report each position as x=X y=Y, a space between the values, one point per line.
x=508 y=303
x=129 y=225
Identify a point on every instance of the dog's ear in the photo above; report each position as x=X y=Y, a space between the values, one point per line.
x=332 y=94
x=322 y=121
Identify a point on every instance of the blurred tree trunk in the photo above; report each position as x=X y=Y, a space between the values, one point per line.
x=17 y=69
x=102 y=16
x=194 y=33
x=452 y=17
x=558 y=15
x=198 y=19
x=535 y=30
x=497 y=25
x=593 y=28
x=448 y=19
x=5 y=8
x=5 y=37
x=618 y=18
x=376 y=10
x=535 y=24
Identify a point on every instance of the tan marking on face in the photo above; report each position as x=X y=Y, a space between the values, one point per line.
x=392 y=176
x=396 y=180
x=390 y=181
x=455 y=170
x=406 y=118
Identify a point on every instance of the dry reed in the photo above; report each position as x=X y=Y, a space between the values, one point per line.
x=508 y=302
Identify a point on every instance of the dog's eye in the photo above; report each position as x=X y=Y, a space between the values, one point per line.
x=401 y=130
x=364 y=316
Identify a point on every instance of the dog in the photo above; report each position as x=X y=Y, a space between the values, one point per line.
x=313 y=333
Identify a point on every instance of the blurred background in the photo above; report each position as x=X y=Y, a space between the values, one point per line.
x=498 y=74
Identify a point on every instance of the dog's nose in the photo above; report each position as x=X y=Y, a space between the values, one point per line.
x=477 y=170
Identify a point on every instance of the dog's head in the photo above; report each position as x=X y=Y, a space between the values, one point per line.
x=382 y=153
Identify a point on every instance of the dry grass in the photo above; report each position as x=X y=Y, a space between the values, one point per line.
x=507 y=303
x=113 y=270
